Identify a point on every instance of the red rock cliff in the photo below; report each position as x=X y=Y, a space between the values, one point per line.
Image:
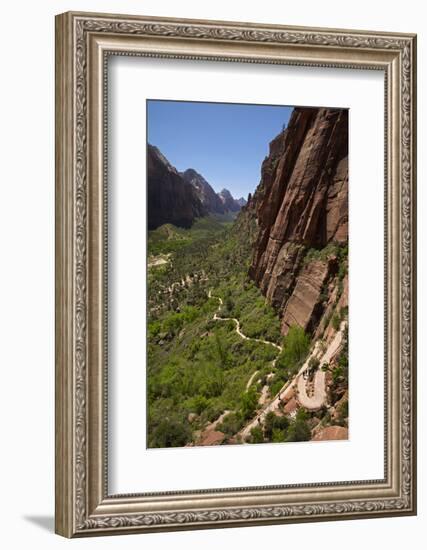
x=300 y=204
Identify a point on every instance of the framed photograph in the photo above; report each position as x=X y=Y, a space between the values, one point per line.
x=235 y=274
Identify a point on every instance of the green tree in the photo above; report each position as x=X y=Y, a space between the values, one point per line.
x=231 y=424
x=222 y=354
x=170 y=433
x=295 y=348
x=278 y=436
x=197 y=404
x=299 y=430
x=248 y=402
x=314 y=363
x=229 y=304
x=256 y=435
x=274 y=423
x=336 y=321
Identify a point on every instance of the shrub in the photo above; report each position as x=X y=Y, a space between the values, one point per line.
x=343 y=412
x=231 y=424
x=277 y=382
x=212 y=412
x=336 y=321
x=313 y=363
x=248 y=402
x=278 y=436
x=298 y=430
x=295 y=348
x=256 y=435
x=197 y=404
x=337 y=373
x=274 y=423
x=221 y=352
x=170 y=433
x=343 y=358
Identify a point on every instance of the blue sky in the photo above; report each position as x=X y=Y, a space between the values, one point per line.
x=224 y=142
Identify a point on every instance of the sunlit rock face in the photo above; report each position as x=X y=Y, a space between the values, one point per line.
x=229 y=202
x=300 y=204
x=210 y=200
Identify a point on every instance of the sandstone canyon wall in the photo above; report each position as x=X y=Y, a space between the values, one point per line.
x=170 y=199
x=301 y=209
x=181 y=197
x=210 y=200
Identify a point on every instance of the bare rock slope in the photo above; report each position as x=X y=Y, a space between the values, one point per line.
x=301 y=207
x=170 y=198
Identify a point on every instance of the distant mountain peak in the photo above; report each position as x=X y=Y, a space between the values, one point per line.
x=210 y=200
x=229 y=201
x=188 y=186
x=161 y=157
x=170 y=198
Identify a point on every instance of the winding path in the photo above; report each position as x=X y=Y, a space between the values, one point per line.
x=298 y=382
x=251 y=379
x=318 y=399
x=265 y=389
x=238 y=330
x=216 y=317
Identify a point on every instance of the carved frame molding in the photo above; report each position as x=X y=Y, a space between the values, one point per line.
x=83 y=41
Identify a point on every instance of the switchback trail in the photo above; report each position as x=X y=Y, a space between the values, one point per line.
x=216 y=317
x=296 y=383
x=238 y=330
x=318 y=398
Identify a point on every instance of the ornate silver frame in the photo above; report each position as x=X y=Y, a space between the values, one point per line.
x=83 y=505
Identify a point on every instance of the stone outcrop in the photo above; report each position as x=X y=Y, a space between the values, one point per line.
x=304 y=307
x=300 y=204
x=210 y=200
x=170 y=199
x=331 y=433
x=230 y=203
x=212 y=438
x=181 y=197
x=241 y=202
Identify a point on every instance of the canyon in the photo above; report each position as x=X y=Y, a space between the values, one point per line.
x=248 y=313
x=179 y=198
x=300 y=204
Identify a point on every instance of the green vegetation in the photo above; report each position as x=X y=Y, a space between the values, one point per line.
x=295 y=345
x=295 y=348
x=256 y=435
x=248 y=403
x=281 y=429
x=244 y=301
x=170 y=239
x=170 y=433
x=343 y=413
x=198 y=367
x=340 y=251
x=313 y=364
x=274 y=424
x=340 y=372
x=231 y=424
x=299 y=429
x=336 y=321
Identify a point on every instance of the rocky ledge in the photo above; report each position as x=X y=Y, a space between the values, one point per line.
x=301 y=209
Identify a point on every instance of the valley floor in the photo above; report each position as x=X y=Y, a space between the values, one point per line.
x=219 y=370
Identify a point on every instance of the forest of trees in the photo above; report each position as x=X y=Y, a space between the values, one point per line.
x=199 y=368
